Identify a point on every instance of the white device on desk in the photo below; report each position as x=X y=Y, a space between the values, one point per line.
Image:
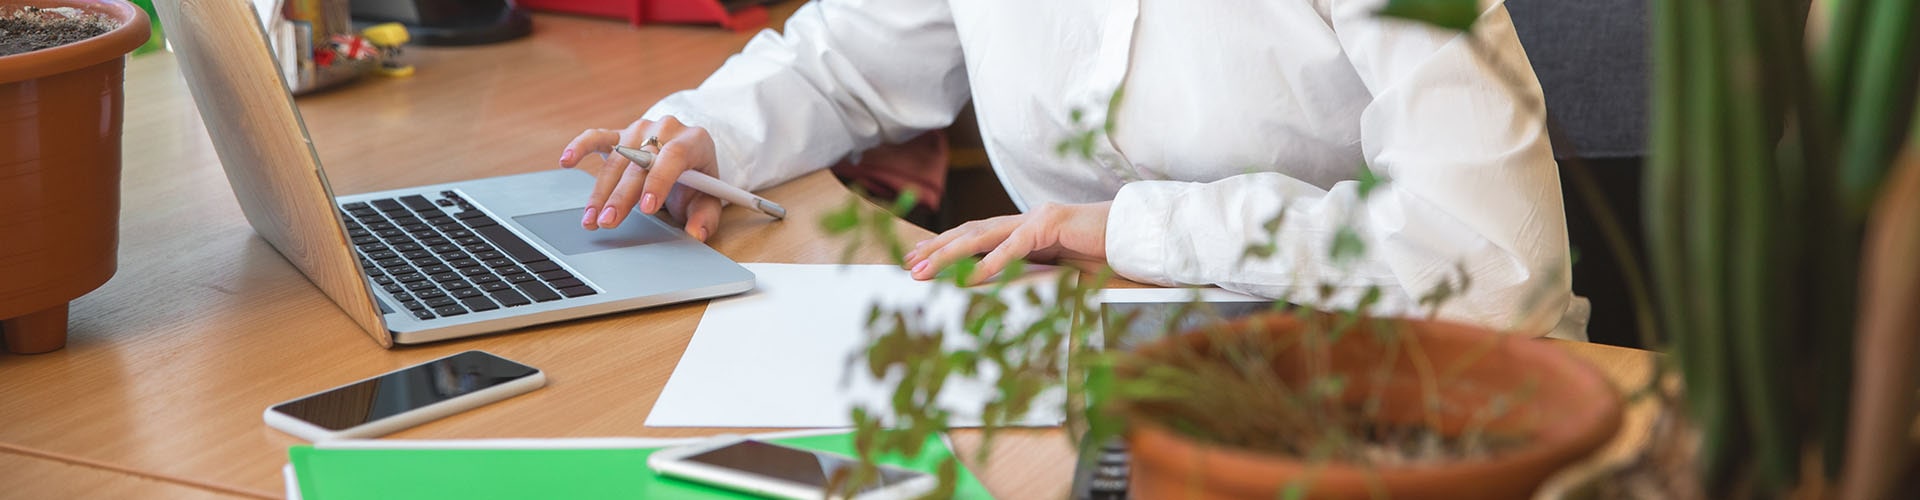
x=430 y=262
x=777 y=471
x=405 y=398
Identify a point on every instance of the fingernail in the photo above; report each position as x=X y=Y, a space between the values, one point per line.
x=648 y=204
x=566 y=156
x=921 y=267
x=587 y=221
x=608 y=215
x=698 y=233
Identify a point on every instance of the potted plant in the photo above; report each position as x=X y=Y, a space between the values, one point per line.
x=61 y=64
x=1780 y=228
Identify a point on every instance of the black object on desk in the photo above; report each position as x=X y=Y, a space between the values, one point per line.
x=1105 y=476
x=448 y=22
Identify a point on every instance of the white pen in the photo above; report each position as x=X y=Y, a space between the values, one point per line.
x=707 y=184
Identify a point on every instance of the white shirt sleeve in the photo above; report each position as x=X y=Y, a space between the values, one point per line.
x=845 y=76
x=1470 y=185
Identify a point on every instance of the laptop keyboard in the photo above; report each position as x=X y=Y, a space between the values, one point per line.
x=443 y=257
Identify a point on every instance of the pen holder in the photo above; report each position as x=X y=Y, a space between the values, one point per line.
x=315 y=45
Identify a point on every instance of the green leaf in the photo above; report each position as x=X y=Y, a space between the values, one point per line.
x=841 y=221
x=1368 y=181
x=1457 y=15
x=1347 y=246
x=904 y=203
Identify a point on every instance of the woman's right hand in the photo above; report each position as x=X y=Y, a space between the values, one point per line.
x=620 y=185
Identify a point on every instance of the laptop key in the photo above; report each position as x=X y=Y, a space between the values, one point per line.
x=488 y=255
x=481 y=222
x=389 y=233
x=423 y=314
x=409 y=277
x=543 y=266
x=566 y=283
x=373 y=247
x=483 y=247
x=421 y=287
x=446 y=277
x=478 y=304
x=390 y=263
x=452 y=310
x=470 y=214
x=386 y=204
x=439 y=220
x=464 y=293
x=428 y=294
x=538 y=291
x=485 y=278
x=417 y=255
x=381 y=255
x=355 y=205
x=498 y=263
x=383 y=279
x=431 y=270
x=473 y=271
x=517 y=278
x=414 y=228
x=510 y=244
x=510 y=298
x=441 y=301
x=577 y=291
x=463 y=263
x=557 y=274
x=495 y=285
x=416 y=202
x=434 y=241
x=402 y=296
x=358 y=232
x=362 y=240
x=379 y=225
x=468 y=240
x=456 y=234
x=444 y=248
x=393 y=288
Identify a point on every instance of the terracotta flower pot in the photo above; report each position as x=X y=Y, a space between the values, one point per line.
x=1562 y=411
x=60 y=172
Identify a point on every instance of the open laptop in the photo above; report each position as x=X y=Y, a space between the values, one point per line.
x=432 y=262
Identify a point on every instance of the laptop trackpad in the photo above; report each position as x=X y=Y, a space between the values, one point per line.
x=561 y=229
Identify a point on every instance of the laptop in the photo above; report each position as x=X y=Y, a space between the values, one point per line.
x=431 y=262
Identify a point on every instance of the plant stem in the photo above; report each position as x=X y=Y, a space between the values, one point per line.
x=1708 y=387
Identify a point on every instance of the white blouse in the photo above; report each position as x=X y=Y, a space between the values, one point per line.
x=1232 y=111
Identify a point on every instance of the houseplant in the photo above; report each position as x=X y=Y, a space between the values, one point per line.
x=60 y=112
x=1773 y=143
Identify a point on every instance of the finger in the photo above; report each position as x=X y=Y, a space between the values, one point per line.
x=687 y=150
x=1018 y=244
x=612 y=172
x=703 y=216
x=632 y=189
x=926 y=247
x=589 y=141
x=985 y=238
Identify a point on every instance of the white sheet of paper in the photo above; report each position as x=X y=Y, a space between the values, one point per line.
x=778 y=356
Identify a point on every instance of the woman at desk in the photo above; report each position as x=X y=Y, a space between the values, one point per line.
x=1228 y=117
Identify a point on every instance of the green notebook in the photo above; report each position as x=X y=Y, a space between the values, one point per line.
x=611 y=473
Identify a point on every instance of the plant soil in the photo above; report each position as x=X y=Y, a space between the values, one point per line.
x=33 y=29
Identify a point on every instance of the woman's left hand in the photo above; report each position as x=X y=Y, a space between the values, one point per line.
x=1054 y=233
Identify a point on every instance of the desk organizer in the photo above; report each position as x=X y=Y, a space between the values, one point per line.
x=640 y=12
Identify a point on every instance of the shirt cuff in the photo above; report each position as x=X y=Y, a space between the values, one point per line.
x=1139 y=227
x=726 y=157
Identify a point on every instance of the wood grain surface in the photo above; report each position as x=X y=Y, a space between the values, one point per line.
x=170 y=364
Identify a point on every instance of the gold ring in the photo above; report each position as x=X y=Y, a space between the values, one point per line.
x=651 y=141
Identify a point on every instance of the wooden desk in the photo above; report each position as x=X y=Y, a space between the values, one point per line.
x=169 y=365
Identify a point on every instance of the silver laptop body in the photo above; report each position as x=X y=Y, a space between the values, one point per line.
x=398 y=261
